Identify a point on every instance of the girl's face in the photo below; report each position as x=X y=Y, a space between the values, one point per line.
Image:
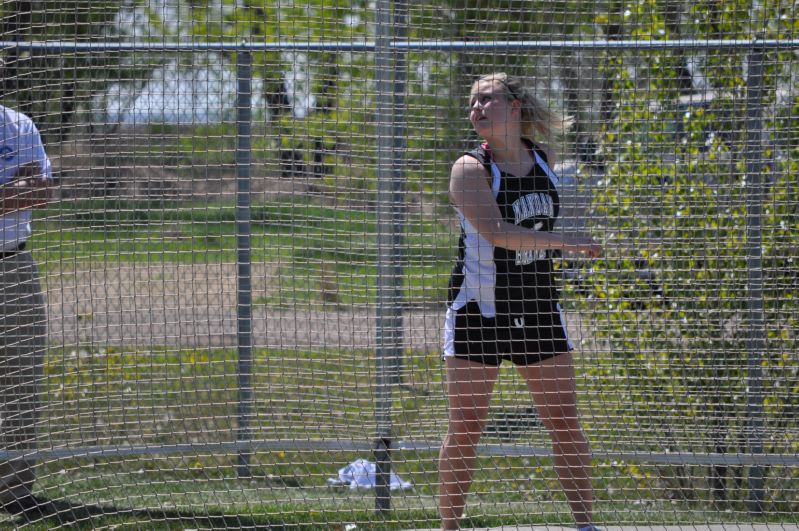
x=491 y=112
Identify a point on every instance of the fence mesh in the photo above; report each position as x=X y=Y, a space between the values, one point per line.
x=247 y=256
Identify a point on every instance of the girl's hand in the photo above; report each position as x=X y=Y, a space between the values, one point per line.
x=586 y=245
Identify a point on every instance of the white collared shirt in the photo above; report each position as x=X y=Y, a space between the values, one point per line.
x=20 y=144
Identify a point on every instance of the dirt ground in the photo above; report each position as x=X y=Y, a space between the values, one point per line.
x=194 y=305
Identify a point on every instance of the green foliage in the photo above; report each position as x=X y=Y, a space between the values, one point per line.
x=53 y=87
x=49 y=19
x=673 y=209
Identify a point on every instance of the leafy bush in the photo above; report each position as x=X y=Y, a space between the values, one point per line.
x=681 y=361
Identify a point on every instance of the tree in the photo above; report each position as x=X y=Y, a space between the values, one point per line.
x=673 y=202
x=46 y=84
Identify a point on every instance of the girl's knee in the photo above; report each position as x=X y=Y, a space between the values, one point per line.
x=464 y=434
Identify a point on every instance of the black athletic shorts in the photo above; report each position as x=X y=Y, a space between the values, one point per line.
x=536 y=333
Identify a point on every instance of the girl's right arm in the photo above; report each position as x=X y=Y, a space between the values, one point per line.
x=470 y=192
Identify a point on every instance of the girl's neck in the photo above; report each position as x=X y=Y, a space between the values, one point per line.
x=511 y=152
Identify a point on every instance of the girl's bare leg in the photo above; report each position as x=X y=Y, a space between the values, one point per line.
x=469 y=386
x=551 y=384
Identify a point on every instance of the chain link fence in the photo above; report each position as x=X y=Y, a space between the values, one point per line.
x=247 y=256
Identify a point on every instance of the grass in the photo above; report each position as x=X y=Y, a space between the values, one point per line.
x=171 y=490
x=151 y=395
x=162 y=396
x=321 y=254
x=237 y=503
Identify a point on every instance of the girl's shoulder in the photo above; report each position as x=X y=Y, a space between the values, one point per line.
x=482 y=153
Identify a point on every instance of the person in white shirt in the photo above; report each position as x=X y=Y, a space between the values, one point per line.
x=25 y=176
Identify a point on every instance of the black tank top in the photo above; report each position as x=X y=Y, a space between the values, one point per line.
x=531 y=201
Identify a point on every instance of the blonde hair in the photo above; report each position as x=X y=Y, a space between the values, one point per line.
x=538 y=121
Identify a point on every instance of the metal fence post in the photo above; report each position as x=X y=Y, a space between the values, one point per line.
x=400 y=28
x=756 y=340
x=243 y=255
x=390 y=228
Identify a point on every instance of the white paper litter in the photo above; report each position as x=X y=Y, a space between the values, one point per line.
x=362 y=474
